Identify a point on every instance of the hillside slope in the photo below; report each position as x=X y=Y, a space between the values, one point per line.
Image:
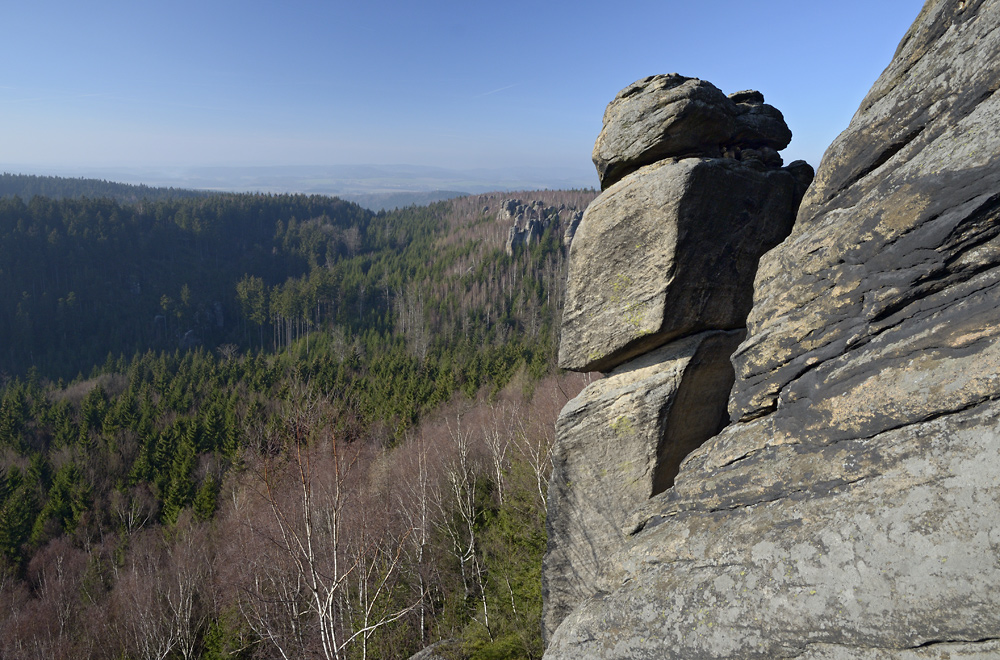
x=360 y=467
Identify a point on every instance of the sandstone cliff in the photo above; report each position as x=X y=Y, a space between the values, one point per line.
x=850 y=510
x=660 y=284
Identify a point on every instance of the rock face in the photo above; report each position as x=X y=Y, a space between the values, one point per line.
x=660 y=283
x=668 y=251
x=619 y=443
x=528 y=222
x=880 y=545
x=850 y=509
x=916 y=177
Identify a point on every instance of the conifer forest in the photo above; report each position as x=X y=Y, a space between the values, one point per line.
x=274 y=426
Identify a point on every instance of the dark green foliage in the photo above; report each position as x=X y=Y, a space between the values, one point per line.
x=27 y=186
x=17 y=513
x=512 y=543
x=82 y=279
x=13 y=417
x=68 y=498
x=231 y=306
x=205 y=499
x=179 y=487
x=226 y=638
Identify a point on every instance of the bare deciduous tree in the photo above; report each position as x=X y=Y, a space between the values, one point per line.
x=160 y=605
x=414 y=494
x=460 y=513
x=336 y=569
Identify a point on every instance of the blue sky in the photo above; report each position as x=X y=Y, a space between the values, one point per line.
x=448 y=84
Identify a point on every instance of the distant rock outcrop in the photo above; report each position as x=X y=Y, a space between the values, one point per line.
x=528 y=222
x=850 y=508
x=574 y=224
x=660 y=283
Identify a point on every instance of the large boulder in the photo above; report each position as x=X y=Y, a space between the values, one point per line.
x=619 y=443
x=668 y=251
x=851 y=512
x=758 y=125
x=674 y=116
x=660 y=117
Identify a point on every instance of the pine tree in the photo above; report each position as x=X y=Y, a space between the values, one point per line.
x=17 y=503
x=205 y=499
x=180 y=490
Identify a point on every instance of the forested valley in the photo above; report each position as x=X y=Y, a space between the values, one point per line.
x=275 y=426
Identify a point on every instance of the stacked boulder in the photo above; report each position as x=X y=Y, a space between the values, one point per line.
x=673 y=116
x=660 y=284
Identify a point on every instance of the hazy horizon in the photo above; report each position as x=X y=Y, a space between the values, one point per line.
x=516 y=89
x=343 y=180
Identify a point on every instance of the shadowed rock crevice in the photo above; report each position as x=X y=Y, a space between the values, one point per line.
x=946 y=268
x=939 y=642
x=617 y=444
x=880 y=160
x=919 y=254
x=921 y=282
x=698 y=412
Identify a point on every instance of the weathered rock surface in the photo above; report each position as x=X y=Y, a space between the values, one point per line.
x=852 y=512
x=620 y=442
x=662 y=261
x=898 y=229
x=668 y=251
x=880 y=544
x=660 y=117
x=674 y=116
x=760 y=126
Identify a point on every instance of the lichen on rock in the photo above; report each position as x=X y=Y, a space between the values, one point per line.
x=668 y=251
x=660 y=283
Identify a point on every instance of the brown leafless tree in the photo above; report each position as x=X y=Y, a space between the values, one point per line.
x=329 y=570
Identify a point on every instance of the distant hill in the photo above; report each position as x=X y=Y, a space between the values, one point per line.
x=27 y=186
x=398 y=200
x=344 y=181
